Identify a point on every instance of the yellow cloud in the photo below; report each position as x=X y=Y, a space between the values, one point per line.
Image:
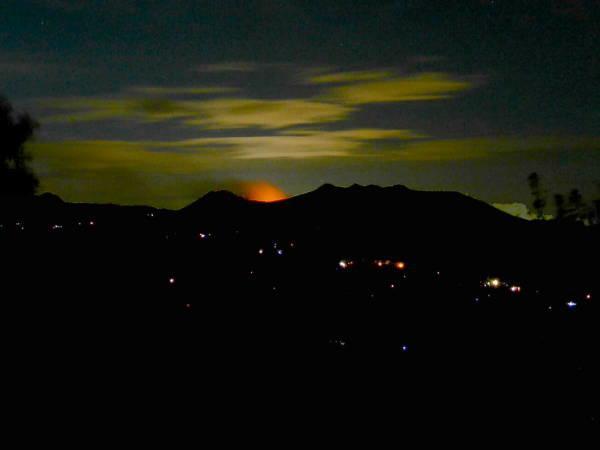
x=301 y=144
x=143 y=157
x=214 y=114
x=361 y=134
x=420 y=87
x=348 y=77
x=127 y=172
x=226 y=113
x=95 y=109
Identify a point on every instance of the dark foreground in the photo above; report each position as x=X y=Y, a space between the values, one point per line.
x=249 y=323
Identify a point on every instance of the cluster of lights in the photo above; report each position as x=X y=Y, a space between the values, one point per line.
x=494 y=283
x=345 y=264
x=20 y=226
x=400 y=265
x=338 y=342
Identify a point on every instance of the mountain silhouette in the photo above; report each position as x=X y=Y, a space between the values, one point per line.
x=366 y=220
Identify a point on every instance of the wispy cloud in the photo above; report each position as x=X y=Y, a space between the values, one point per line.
x=192 y=90
x=348 y=77
x=213 y=114
x=239 y=66
x=95 y=109
x=418 y=87
x=227 y=113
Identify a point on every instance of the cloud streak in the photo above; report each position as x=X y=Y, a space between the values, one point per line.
x=419 y=87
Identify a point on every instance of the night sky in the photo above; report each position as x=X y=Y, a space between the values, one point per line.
x=157 y=102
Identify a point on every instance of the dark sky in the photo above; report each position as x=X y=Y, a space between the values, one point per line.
x=157 y=102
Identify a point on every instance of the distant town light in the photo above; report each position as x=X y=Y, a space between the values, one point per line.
x=493 y=283
x=172 y=280
x=400 y=265
x=571 y=304
x=343 y=264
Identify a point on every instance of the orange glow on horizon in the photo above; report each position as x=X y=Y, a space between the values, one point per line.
x=261 y=191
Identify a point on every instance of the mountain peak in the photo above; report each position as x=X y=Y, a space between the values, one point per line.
x=221 y=195
x=216 y=198
x=49 y=197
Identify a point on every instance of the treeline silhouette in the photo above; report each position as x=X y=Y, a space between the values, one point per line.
x=568 y=208
x=16 y=129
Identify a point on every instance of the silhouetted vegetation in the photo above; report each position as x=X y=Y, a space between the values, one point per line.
x=559 y=202
x=572 y=208
x=539 y=198
x=16 y=177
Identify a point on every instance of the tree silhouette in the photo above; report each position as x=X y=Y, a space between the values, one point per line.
x=16 y=178
x=559 y=202
x=576 y=204
x=539 y=202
